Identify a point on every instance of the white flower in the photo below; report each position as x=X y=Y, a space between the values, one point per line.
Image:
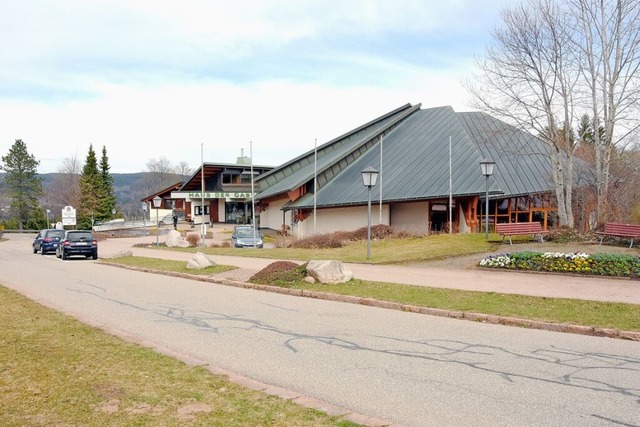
x=565 y=255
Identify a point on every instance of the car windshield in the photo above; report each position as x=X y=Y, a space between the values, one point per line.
x=56 y=233
x=244 y=233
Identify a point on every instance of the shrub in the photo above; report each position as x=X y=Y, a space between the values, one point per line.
x=193 y=240
x=569 y=235
x=320 y=241
x=340 y=238
x=280 y=273
x=223 y=244
x=11 y=224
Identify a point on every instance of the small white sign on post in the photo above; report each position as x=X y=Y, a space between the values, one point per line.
x=68 y=215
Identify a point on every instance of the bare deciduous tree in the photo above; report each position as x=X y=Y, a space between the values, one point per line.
x=160 y=174
x=608 y=41
x=528 y=78
x=183 y=170
x=554 y=57
x=64 y=189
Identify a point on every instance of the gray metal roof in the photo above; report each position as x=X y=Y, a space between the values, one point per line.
x=332 y=157
x=416 y=161
x=522 y=160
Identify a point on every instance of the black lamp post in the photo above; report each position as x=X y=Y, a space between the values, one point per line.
x=369 y=178
x=486 y=166
x=156 y=204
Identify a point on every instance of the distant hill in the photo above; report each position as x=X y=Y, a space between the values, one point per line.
x=130 y=189
x=119 y=179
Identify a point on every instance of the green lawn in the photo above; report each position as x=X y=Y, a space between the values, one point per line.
x=56 y=371
x=619 y=316
x=170 y=265
x=387 y=251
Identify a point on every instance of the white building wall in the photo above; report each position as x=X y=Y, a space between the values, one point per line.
x=222 y=212
x=156 y=215
x=340 y=219
x=411 y=217
x=272 y=216
x=198 y=219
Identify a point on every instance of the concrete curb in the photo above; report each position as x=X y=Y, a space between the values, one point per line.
x=477 y=317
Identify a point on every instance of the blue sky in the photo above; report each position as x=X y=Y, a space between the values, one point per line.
x=157 y=78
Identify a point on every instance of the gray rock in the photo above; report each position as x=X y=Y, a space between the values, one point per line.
x=310 y=279
x=122 y=254
x=329 y=271
x=200 y=261
x=176 y=240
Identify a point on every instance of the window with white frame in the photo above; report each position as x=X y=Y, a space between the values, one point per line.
x=198 y=210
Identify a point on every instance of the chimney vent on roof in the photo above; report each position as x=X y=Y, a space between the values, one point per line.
x=243 y=160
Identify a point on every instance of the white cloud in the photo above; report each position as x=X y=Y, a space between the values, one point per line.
x=153 y=78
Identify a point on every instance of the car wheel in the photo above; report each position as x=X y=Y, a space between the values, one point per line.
x=64 y=255
x=42 y=251
x=35 y=251
x=95 y=255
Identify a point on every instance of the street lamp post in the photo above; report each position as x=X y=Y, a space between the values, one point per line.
x=48 y=223
x=144 y=217
x=486 y=166
x=156 y=204
x=369 y=178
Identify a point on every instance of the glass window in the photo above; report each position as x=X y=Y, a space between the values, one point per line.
x=198 y=210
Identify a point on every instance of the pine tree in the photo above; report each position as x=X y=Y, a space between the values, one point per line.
x=90 y=191
x=585 y=130
x=107 y=202
x=24 y=186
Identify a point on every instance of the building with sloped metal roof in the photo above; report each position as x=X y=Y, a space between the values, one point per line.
x=429 y=176
x=216 y=193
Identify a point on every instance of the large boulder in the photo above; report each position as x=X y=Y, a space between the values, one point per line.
x=200 y=261
x=122 y=254
x=176 y=240
x=329 y=271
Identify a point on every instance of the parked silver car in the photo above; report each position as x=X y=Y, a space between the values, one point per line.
x=245 y=236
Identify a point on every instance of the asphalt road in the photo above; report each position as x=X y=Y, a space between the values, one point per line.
x=409 y=369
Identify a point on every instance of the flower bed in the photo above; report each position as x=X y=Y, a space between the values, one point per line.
x=601 y=264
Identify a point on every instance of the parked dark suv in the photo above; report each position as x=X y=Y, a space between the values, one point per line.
x=47 y=241
x=77 y=242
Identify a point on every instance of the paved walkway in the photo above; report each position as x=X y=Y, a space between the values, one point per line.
x=435 y=274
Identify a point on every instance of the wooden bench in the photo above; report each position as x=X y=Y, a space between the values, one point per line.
x=520 y=228
x=615 y=229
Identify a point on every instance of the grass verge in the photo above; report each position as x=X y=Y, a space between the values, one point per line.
x=625 y=317
x=168 y=265
x=55 y=370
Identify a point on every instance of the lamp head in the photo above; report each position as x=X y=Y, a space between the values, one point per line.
x=486 y=166
x=369 y=177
